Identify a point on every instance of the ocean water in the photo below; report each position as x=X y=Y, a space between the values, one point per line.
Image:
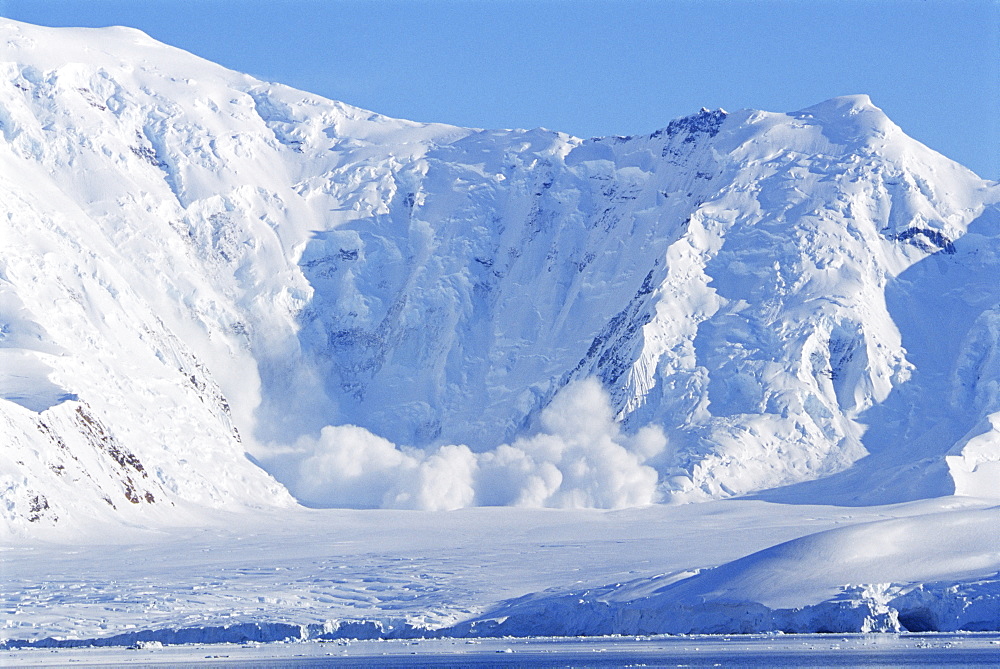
x=874 y=650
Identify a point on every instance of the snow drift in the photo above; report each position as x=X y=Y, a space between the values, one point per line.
x=937 y=572
x=198 y=265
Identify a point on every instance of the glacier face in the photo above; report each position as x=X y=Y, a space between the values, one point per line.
x=198 y=264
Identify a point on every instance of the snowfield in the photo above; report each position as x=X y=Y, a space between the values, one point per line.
x=735 y=566
x=738 y=375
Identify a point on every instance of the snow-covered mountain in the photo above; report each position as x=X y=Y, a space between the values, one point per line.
x=197 y=264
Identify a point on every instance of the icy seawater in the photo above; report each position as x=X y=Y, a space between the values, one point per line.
x=792 y=650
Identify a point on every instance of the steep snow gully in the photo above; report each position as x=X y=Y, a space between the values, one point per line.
x=220 y=293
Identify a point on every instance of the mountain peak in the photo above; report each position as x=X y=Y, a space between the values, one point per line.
x=844 y=106
x=851 y=103
x=705 y=122
x=848 y=118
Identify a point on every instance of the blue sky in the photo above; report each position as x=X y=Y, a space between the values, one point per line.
x=597 y=67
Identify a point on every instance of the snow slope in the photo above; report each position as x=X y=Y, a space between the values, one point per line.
x=927 y=572
x=150 y=239
x=198 y=264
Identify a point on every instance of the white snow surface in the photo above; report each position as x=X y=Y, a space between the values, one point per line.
x=220 y=297
x=935 y=571
x=726 y=566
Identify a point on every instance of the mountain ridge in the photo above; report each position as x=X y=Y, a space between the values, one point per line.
x=239 y=266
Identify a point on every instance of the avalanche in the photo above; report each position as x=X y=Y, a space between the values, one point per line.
x=224 y=296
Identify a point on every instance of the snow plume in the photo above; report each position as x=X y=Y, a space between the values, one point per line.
x=579 y=458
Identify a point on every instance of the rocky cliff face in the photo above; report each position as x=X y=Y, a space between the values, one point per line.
x=197 y=264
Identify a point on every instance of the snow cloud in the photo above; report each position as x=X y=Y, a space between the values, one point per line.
x=579 y=458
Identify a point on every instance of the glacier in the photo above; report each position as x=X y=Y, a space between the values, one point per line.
x=220 y=295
